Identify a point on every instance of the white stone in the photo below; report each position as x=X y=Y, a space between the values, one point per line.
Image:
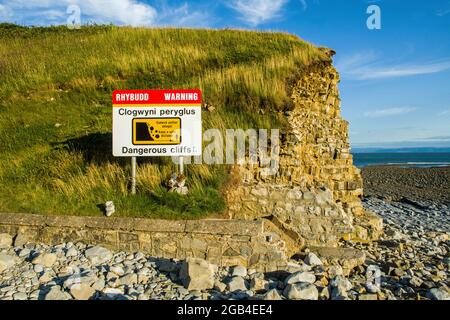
x=139 y=255
x=341 y=282
x=300 y=276
x=237 y=284
x=117 y=270
x=128 y=279
x=25 y=252
x=334 y=271
x=113 y=292
x=368 y=296
x=38 y=268
x=56 y=293
x=239 y=271
x=197 y=274
x=324 y=197
x=301 y=291
x=438 y=294
x=46 y=277
x=325 y=293
x=72 y=252
x=99 y=285
x=313 y=260
x=98 y=255
x=82 y=291
x=78 y=278
x=110 y=208
x=292 y=267
x=20 y=296
x=45 y=259
x=272 y=295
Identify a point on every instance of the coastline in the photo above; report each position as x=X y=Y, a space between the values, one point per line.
x=413 y=253
x=421 y=186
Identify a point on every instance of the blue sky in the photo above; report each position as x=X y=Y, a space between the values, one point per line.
x=395 y=80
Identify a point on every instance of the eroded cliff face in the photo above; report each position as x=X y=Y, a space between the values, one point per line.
x=315 y=197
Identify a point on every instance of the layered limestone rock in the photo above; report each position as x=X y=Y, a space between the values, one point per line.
x=315 y=197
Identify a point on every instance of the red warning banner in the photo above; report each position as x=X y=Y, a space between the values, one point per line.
x=157 y=97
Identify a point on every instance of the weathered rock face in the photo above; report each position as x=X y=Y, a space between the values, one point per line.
x=316 y=195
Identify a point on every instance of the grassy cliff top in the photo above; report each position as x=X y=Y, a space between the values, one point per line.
x=55 y=110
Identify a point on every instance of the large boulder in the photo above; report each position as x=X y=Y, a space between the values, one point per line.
x=313 y=260
x=197 y=274
x=300 y=276
x=45 y=259
x=98 y=255
x=301 y=291
x=347 y=258
x=82 y=291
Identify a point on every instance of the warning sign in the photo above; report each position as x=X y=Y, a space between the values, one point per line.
x=157 y=123
x=148 y=131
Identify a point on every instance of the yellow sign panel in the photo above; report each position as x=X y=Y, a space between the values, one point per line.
x=154 y=131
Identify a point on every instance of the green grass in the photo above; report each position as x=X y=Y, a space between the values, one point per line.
x=55 y=110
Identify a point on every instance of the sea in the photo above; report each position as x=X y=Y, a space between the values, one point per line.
x=418 y=160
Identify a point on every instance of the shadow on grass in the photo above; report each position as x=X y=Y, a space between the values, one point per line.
x=97 y=148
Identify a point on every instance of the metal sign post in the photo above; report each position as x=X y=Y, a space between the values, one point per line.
x=133 y=175
x=181 y=165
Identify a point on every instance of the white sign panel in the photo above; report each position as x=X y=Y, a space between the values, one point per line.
x=150 y=123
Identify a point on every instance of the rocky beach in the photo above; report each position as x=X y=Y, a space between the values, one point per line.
x=410 y=262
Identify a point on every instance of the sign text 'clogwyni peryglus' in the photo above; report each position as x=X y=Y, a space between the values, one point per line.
x=157 y=123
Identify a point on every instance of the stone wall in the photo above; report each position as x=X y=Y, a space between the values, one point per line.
x=316 y=195
x=255 y=244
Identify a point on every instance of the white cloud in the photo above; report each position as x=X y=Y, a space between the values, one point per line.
x=366 y=66
x=183 y=16
x=119 y=12
x=122 y=12
x=442 y=13
x=255 y=12
x=437 y=138
x=5 y=13
x=403 y=71
x=348 y=63
x=388 y=112
x=304 y=4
